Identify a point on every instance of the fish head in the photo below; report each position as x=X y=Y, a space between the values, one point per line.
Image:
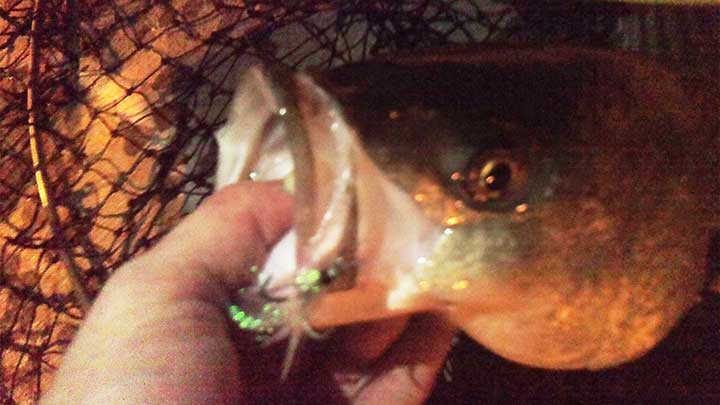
x=554 y=205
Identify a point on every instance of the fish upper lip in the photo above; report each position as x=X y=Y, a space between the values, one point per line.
x=325 y=217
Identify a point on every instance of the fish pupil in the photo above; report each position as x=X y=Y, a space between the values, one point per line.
x=497 y=176
x=328 y=276
x=487 y=182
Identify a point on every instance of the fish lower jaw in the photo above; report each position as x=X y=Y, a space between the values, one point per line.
x=503 y=335
x=523 y=337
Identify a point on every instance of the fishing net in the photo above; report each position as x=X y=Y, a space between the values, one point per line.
x=107 y=110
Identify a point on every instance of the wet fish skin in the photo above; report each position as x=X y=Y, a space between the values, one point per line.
x=620 y=198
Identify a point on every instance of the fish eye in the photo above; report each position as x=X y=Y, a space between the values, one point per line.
x=491 y=180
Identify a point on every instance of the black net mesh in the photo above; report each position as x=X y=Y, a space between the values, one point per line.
x=107 y=110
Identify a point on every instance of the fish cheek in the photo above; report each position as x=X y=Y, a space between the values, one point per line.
x=481 y=266
x=537 y=307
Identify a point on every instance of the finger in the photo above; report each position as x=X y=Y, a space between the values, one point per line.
x=213 y=249
x=407 y=372
x=360 y=345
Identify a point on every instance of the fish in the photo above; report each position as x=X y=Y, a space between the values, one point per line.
x=558 y=205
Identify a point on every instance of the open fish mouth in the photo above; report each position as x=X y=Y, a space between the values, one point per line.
x=293 y=141
x=343 y=250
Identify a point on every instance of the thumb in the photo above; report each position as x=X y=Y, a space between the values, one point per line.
x=211 y=251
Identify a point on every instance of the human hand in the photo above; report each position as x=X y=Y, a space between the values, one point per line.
x=158 y=332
